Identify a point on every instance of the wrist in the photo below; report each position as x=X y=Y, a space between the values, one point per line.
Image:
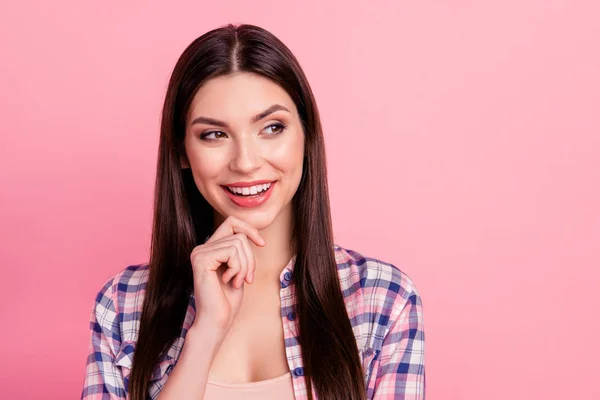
x=205 y=334
x=200 y=347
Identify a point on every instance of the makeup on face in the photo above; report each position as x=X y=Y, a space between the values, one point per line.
x=249 y=194
x=245 y=146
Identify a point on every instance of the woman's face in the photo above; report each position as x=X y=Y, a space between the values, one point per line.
x=245 y=146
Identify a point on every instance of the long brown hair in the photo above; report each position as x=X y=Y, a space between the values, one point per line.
x=183 y=218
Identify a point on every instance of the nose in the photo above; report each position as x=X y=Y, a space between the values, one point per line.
x=246 y=158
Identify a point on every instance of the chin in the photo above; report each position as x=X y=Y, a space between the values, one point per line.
x=258 y=220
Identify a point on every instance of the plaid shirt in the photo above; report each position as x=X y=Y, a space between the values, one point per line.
x=382 y=302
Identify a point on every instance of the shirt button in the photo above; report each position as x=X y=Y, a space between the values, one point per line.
x=291 y=316
x=298 y=371
x=287 y=276
x=284 y=285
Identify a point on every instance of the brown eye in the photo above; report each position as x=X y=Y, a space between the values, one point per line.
x=276 y=129
x=216 y=134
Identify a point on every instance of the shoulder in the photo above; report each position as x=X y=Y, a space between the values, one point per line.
x=119 y=301
x=375 y=292
x=128 y=283
x=372 y=274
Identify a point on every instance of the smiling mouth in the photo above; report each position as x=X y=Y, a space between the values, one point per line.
x=249 y=196
x=251 y=191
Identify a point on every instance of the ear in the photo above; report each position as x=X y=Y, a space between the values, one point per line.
x=183 y=159
x=184 y=163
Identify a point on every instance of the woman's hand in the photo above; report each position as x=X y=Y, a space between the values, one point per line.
x=220 y=267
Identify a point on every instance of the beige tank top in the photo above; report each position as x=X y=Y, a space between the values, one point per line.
x=279 y=388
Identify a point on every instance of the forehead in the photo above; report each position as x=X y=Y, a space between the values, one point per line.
x=238 y=95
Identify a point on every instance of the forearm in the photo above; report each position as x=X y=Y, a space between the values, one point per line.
x=190 y=374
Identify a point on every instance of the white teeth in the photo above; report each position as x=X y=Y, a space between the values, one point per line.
x=249 y=191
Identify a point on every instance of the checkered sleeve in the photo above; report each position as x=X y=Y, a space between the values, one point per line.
x=103 y=378
x=401 y=371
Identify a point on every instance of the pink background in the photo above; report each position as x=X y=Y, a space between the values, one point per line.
x=463 y=142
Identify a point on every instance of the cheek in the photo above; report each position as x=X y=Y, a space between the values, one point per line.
x=207 y=164
x=288 y=155
x=205 y=168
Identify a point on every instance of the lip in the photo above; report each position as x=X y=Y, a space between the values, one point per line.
x=249 y=202
x=246 y=184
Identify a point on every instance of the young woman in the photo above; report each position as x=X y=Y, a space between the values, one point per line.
x=245 y=294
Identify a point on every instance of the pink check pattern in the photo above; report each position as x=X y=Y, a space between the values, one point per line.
x=382 y=302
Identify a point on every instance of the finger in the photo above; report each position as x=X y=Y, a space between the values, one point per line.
x=250 y=261
x=234 y=264
x=233 y=225
x=238 y=241
x=219 y=256
x=249 y=277
x=246 y=255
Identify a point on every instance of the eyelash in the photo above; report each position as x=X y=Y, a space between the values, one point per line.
x=277 y=124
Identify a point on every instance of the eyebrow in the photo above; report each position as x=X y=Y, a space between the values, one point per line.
x=255 y=119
